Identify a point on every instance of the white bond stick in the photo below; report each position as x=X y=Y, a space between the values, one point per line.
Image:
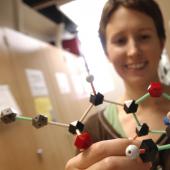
x=112 y=102
x=78 y=132
x=85 y=113
x=58 y=124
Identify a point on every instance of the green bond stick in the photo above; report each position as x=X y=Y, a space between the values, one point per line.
x=136 y=119
x=163 y=147
x=141 y=99
x=157 y=131
x=24 y=118
x=166 y=96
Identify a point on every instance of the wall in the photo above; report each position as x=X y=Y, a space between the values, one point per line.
x=20 y=140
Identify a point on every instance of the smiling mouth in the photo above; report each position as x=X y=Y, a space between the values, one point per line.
x=137 y=66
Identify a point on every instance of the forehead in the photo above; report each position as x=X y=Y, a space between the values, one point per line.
x=124 y=18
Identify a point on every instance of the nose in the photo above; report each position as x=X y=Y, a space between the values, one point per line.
x=133 y=48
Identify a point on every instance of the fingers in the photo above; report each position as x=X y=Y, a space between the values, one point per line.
x=121 y=163
x=99 y=151
x=69 y=166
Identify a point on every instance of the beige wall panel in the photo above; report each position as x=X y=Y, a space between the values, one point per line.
x=56 y=142
x=6 y=68
x=19 y=146
x=17 y=143
x=70 y=106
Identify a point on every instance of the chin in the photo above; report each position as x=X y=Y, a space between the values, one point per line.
x=138 y=80
x=143 y=75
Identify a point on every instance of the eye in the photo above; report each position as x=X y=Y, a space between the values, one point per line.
x=119 y=41
x=132 y=151
x=144 y=37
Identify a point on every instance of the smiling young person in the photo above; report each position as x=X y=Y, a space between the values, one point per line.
x=133 y=36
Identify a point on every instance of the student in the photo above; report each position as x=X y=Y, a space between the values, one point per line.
x=133 y=37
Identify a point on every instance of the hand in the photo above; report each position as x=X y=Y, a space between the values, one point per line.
x=107 y=155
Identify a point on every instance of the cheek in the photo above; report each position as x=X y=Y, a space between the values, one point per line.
x=154 y=50
x=117 y=61
x=116 y=56
x=155 y=55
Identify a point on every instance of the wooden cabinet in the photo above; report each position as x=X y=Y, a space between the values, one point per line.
x=20 y=141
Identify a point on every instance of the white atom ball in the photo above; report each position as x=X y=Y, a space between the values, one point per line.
x=90 y=78
x=132 y=151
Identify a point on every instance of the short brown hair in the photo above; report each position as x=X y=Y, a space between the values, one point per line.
x=148 y=7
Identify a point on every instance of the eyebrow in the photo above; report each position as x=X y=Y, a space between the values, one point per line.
x=146 y=29
x=140 y=30
x=115 y=34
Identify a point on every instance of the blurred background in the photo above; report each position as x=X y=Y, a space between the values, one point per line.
x=44 y=45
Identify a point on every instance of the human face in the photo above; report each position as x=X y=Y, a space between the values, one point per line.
x=133 y=45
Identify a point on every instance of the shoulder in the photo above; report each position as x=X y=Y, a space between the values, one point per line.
x=94 y=122
x=99 y=128
x=93 y=118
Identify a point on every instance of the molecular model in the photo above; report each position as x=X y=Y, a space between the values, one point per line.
x=148 y=148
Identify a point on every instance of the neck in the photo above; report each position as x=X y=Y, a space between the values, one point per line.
x=134 y=91
x=138 y=88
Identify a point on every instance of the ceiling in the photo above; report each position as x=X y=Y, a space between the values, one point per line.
x=49 y=8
